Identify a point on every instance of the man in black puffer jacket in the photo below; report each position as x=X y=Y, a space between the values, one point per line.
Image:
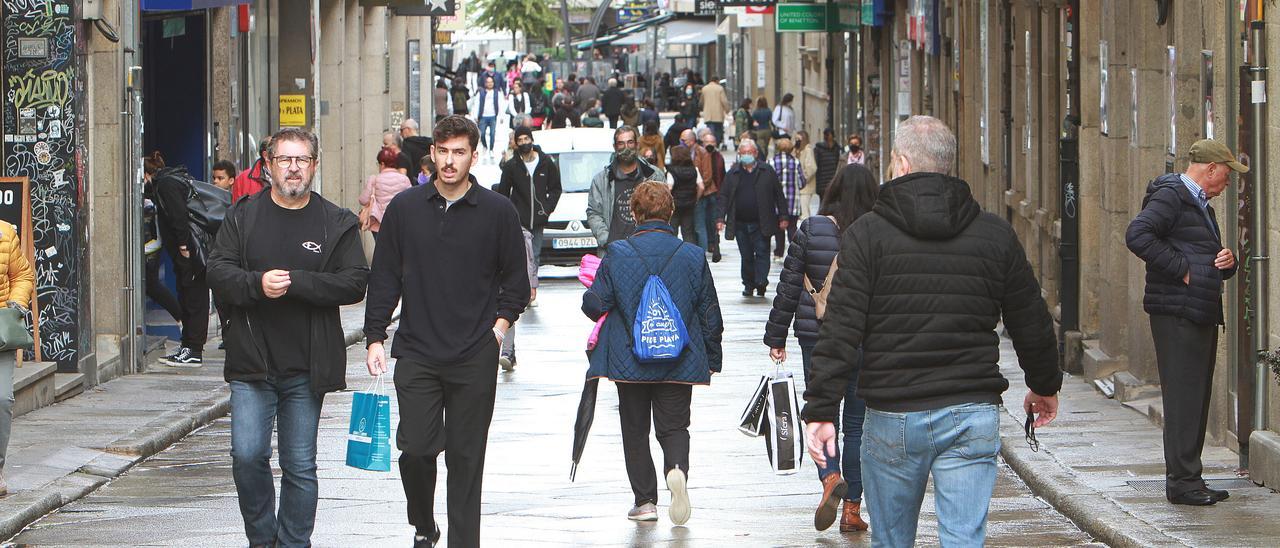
x=922 y=283
x=1177 y=235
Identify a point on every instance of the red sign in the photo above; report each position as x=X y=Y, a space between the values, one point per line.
x=760 y=10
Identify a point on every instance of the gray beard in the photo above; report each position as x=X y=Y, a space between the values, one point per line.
x=296 y=192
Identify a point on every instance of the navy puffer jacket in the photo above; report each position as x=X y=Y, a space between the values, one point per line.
x=810 y=254
x=616 y=290
x=1172 y=235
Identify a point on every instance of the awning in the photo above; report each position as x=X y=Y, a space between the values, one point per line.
x=184 y=5
x=691 y=31
x=634 y=39
x=623 y=31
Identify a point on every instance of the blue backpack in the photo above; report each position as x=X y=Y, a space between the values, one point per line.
x=658 y=333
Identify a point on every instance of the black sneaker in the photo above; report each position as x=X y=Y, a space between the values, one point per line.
x=427 y=542
x=715 y=255
x=748 y=292
x=184 y=357
x=507 y=362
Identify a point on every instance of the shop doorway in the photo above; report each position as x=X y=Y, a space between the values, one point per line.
x=175 y=89
x=175 y=114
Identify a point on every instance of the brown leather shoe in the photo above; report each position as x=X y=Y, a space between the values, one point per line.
x=833 y=490
x=851 y=519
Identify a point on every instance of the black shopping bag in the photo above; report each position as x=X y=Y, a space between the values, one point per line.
x=751 y=422
x=784 y=438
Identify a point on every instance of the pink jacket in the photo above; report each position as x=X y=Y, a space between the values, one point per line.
x=381 y=188
x=587 y=275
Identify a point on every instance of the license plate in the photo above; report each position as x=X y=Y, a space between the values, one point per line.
x=572 y=243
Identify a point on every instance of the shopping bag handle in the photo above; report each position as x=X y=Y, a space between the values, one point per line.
x=377 y=385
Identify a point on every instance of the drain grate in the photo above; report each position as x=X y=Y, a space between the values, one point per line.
x=1156 y=486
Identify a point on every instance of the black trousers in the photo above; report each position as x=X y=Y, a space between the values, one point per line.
x=682 y=218
x=193 y=296
x=784 y=236
x=158 y=292
x=1185 y=355
x=613 y=120
x=427 y=393
x=669 y=405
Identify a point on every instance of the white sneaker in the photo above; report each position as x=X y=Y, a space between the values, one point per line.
x=678 y=485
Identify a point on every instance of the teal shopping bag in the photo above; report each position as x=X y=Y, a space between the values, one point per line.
x=369 y=436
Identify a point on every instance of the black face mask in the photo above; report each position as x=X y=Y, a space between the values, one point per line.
x=711 y=148
x=524 y=149
x=855 y=149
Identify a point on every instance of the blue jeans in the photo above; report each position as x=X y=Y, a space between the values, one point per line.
x=705 y=223
x=717 y=129
x=754 y=249
x=489 y=123
x=957 y=444
x=847 y=459
x=294 y=409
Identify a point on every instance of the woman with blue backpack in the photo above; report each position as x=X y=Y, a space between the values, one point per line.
x=800 y=302
x=661 y=337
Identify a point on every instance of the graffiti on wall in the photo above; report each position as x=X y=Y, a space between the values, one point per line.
x=41 y=126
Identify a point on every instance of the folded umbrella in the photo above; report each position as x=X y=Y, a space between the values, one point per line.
x=586 y=414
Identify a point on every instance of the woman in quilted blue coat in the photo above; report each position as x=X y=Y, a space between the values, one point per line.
x=662 y=390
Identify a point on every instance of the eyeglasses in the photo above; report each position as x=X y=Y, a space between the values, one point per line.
x=301 y=161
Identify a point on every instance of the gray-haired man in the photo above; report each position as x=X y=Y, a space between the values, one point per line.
x=933 y=273
x=283 y=262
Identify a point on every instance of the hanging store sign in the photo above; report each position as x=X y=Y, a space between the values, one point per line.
x=748 y=21
x=801 y=18
x=421 y=8
x=844 y=18
x=293 y=111
x=749 y=3
x=705 y=7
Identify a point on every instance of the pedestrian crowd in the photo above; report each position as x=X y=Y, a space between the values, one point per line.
x=893 y=292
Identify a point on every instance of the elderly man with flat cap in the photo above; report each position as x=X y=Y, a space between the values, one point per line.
x=1177 y=235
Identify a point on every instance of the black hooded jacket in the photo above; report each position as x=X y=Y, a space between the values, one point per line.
x=343 y=281
x=923 y=281
x=1173 y=236
x=535 y=198
x=411 y=152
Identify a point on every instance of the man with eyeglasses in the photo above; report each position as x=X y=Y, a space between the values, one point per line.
x=283 y=262
x=609 y=202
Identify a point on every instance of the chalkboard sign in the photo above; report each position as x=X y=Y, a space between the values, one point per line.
x=15 y=209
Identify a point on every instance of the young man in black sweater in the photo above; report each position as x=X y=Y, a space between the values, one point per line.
x=454 y=252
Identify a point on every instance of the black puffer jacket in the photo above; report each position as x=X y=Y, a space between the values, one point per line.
x=810 y=254
x=684 y=187
x=923 y=281
x=1172 y=235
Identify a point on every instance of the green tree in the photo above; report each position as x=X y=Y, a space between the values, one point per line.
x=532 y=17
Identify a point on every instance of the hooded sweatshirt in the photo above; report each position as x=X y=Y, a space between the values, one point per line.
x=923 y=281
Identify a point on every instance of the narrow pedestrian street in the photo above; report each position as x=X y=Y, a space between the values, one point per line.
x=185 y=496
